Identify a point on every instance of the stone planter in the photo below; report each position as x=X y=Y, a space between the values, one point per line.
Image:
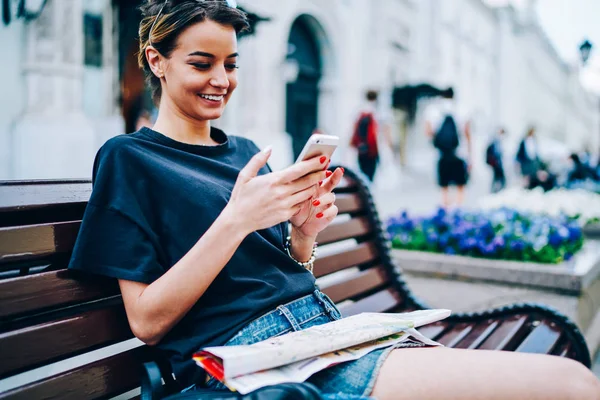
x=469 y=284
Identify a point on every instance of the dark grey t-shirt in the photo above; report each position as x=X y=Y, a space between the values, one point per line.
x=152 y=199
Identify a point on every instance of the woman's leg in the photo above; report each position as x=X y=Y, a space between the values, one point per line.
x=443 y=373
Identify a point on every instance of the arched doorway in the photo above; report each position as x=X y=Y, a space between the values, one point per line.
x=302 y=95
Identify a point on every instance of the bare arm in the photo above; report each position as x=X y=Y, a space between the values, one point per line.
x=153 y=309
x=429 y=130
x=469 y=146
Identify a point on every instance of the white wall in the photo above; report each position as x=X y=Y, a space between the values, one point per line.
x=12 y=100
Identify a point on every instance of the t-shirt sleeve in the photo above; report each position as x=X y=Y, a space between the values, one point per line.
x=111 y=244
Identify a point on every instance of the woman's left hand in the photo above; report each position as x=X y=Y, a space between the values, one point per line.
x=317 y=213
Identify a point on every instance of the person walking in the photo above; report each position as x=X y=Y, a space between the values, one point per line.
x=365 y=136
x=527 y=156
x=493 y=158
x=445 y=127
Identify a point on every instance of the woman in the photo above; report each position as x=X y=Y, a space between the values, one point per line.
x=192 y=224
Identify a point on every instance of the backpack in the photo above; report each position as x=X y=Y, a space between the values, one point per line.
x=446 y=138
x=490 y=155
x=364 y=138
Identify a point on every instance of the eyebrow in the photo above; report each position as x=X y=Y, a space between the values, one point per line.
x=203 y=54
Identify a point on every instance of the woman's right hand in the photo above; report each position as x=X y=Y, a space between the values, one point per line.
x=260 y=202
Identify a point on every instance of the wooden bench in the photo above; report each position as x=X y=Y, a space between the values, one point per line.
x=64 y=335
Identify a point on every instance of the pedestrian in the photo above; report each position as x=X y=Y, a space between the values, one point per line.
x=447 y=129
x=528 y=156
x=193 y=224
x=365 y=137
x=493 y=158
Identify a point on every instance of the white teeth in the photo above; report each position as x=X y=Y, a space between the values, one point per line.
x=211 y=97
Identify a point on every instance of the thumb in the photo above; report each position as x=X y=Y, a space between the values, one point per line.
x=255 y=164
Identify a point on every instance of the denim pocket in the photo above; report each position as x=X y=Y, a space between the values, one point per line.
x=332 y=309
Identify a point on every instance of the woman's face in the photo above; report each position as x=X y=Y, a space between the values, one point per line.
x=201 y=73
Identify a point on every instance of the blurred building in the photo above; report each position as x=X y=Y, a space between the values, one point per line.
x=73 y=80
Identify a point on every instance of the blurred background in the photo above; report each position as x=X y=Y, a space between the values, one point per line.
x=71 y=80
x=514 y=68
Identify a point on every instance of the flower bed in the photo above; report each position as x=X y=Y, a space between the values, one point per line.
x=577 y=203
x=496 y=234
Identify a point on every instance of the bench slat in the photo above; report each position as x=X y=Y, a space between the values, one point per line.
x=379 y=302
x=102 y=379
x=457 y=333
x=348 y=202
x=477 y=335
x=361 y=254
x=36 y=241
x=35 y=345
x=50 y=289
x=363 y=282
x=542 y=339
x=433 y=331
x=25 y=195
x=507 y=335
x=563 y=350
x=356 y=227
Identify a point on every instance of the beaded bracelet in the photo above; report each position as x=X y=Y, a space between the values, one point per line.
x=309 y=265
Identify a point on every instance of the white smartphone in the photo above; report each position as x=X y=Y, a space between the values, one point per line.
x=319 y=144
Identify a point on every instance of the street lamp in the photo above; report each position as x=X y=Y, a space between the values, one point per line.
x=585 y=49
x=28 y=9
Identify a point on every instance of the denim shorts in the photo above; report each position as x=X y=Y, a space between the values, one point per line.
x=349 y=380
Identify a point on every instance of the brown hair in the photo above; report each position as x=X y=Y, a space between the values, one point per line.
x=176 y=16
x=372 y=95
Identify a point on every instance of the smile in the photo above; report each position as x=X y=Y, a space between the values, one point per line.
x=212 y=97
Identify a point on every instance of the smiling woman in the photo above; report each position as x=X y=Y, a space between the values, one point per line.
x=194 y=226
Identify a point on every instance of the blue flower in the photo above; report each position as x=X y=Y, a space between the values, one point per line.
x=555 y=239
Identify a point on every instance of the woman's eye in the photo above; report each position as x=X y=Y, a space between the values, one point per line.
x=231 y=67
x=201 y=65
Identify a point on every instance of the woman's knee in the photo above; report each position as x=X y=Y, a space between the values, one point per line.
x=575 y=379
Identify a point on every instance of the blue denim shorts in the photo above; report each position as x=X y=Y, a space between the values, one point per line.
x=349 y=380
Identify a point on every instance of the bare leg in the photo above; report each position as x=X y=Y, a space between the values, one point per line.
x=444 y=373
x=445 y=197
x=460 y=195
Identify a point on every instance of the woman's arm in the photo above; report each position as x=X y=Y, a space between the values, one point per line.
x=153 y=309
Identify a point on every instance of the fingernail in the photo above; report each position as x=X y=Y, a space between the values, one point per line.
x=319 y=215
x=323 y=159
x=343 y=170
x=316 y=203
x=328 y=174
x=268 y=149
x=320 y=182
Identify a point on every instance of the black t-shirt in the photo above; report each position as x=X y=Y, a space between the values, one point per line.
x=152 y=199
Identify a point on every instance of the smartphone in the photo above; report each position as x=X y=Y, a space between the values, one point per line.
x=317 y=145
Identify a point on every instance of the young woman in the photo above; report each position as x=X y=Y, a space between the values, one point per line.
x=193 y=224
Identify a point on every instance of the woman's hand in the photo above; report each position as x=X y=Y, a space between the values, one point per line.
x=317 y=213
x=260 y=202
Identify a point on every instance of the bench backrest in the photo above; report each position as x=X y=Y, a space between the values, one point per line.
x=66 y=333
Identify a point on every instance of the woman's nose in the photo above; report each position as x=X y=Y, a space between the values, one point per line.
x=219 y=78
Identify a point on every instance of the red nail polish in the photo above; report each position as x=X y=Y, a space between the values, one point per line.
x=323 y=159
x=319 y=215
x=320 y=183
x=316 y=203
x=343 y=170
x=328 y=174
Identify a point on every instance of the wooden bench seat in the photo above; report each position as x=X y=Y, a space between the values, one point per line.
x=65 y=335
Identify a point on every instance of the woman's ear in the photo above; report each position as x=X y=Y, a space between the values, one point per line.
x=154 y=61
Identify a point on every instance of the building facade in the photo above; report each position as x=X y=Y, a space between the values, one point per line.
x=73 y=82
